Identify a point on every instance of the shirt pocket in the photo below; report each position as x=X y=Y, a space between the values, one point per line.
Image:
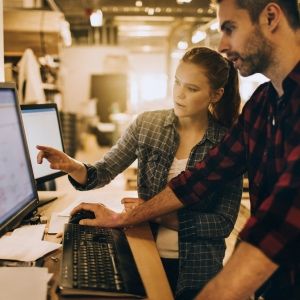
x=149 y=166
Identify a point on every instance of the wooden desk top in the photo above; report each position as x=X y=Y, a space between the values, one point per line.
x=142 y=246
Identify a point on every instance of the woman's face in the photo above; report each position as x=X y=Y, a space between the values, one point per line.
x=191 y=91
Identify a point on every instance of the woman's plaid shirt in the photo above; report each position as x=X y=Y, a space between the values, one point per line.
x=153 y=140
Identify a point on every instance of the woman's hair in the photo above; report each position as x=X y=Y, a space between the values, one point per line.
x=220 y=73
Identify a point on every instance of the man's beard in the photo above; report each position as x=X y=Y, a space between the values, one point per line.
x=257 y=57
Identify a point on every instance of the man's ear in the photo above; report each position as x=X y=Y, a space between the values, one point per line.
x=271 y=16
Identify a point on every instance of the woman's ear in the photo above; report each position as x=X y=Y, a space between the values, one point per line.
x=217 y=95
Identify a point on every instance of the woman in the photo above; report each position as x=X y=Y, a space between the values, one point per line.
x=206 y=102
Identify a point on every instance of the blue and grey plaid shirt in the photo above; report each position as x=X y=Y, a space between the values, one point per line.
x=153 y=140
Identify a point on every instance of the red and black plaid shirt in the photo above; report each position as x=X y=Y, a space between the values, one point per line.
x=265 y=143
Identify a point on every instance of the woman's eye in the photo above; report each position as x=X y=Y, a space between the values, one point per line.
x=193 y=90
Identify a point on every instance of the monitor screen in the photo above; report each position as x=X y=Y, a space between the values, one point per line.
x=18 y=195
x=42 y=127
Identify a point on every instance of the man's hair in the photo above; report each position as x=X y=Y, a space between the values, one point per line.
x=255 y=7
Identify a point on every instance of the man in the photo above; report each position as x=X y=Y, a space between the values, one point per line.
x=258 y=36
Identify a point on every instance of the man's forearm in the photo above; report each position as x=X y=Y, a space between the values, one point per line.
x=245 y=272
x=169 y=221
x=161 y=204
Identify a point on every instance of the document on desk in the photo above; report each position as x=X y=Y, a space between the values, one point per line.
x=57 y=223
x=25 y=244
x=24 y=283
x=35 y=232
x=111 y=199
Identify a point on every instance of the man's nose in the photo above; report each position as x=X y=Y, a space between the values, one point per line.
x=223 y=44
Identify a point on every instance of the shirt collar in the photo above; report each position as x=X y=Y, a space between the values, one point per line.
x=212 y=132
x=289 y=83
x=292 y=79
x=170 y=118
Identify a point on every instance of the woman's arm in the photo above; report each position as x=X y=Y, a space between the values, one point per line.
x=115 y=161
x=61 y=161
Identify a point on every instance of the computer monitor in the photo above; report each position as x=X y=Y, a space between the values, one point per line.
x=18 y=195
x=42 y=127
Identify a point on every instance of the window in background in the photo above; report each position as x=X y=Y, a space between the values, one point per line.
x=148 y=81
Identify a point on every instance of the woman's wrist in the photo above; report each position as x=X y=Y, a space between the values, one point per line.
x=79 y=172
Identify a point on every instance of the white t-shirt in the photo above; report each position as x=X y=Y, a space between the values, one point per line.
x=167 y=239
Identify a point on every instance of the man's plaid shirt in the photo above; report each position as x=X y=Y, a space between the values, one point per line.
x=153 y=140
x=266 y=143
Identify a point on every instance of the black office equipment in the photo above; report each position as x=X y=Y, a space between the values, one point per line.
x=42 y=127
x=18 y=195
x=98 y=261
x=82 y=214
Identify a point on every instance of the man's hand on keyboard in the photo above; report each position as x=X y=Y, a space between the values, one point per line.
x=104 y=217
x=161 y=204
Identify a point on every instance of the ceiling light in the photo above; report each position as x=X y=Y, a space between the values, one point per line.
x=214 y=25
x=151 y=11
x=146 y=48
x=182 y=45
x=183 y=1
x=198 y=36
x=96 y=18
x=138 y=3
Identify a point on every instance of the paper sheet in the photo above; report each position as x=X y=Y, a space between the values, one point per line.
x=25 y=244
x=15 y=284
x=57 y=223
x=30 y=232
x=20 y=248
x=111 y=199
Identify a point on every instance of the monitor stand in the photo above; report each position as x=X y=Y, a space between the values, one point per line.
x=46 y=192
x=46 y=197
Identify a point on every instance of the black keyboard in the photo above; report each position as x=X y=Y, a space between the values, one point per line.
x=98 y=261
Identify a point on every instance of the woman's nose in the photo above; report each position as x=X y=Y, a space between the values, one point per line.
x=180 y=93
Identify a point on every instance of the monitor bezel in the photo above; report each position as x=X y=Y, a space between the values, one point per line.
x=13 y=221
x=25 y=107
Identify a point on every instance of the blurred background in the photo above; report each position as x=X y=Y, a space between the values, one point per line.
x=103 y=61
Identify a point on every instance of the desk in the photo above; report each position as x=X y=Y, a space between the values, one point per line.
x=142 y=246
